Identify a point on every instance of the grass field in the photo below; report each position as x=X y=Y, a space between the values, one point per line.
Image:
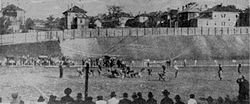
x=31 y=82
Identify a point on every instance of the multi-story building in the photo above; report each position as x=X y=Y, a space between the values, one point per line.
x=16 y=16
x=218 y=16
x=76 y=18
x=189 y=12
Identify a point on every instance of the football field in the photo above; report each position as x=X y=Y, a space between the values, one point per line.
x=31 y=82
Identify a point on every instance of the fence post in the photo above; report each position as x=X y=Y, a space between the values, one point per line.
x=208 y=31
x=247 y=31
x=144 y=30
x=90 y=34
x=25 y=37
x=136 y=31
x=174 y=30
x=13 y=38
x=114 y=32
x=228 y=31
x=63 y=35
x=1 y=39
x=187 y=30
x=152 y=31
x=201 y=30
x=122 y=31
x=195 y=31
x=240 y=31
x=106 y=32
x=222 y=31
x=167 y=31
x=98 y=30
x=159 y=31
x=181 y=30
x=215 y=31
x=37 y=36
x=234 y=31
x=129 y=32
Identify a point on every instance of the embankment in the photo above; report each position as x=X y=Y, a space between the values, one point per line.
x=162 y=47
x=33 y=49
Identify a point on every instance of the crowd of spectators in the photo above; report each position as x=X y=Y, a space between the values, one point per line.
x=36 y=61
x=137 y=98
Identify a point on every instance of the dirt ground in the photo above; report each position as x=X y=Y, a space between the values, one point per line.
x=31 y=82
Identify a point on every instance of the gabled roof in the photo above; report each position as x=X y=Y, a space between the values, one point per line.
x=75 y=9
x=220 y=8
x=191 y=10
x=123 y=14
x=12 y=7
x=142 y=15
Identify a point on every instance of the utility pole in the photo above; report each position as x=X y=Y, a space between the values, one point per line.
x=86 y=80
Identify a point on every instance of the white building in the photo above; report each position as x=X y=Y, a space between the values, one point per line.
x=16 y=15
x=218 y=17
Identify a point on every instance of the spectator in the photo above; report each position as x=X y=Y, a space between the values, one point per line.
x=178 y=100
x=15 y=99
x=113 y=99
x=78 y=99
x=140 y=100
x=220 y=72
x=41 y=100
x=227 y=100
x=88 y=100
x=239 y=67
x=67 y=98
x=220 y=100
x=60 y=70
x=210 y=100
x=125 y=99
x=134 y=97
x=52 y=100
x=243 y=88
x=100 y=100
x=166 y=99
x=192 y=100
x=151 y=99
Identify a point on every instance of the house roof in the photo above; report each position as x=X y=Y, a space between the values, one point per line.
x=75 y=9
x=123 y=14
x=142 y=15
x=191 y=10
x=220 y=8
x=12 y=7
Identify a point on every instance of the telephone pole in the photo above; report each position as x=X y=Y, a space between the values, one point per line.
x=86 y=80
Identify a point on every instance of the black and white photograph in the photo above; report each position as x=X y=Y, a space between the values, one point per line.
x=124 y=51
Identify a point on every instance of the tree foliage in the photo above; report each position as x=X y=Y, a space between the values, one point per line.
x=4 y=25
x=50 y=22
x=55 y=23
x=29 y=24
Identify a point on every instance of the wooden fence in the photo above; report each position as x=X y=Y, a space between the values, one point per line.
x=117 y=32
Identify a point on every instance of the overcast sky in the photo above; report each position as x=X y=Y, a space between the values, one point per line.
x=43 y=8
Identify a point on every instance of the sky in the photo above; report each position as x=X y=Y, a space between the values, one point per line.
x=40 y=9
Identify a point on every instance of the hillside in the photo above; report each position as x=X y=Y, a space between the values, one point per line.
x=162 y=47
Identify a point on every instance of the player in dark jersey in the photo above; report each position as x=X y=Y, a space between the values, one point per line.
x=220 y=72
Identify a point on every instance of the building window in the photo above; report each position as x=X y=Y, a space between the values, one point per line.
x=223 y=23
x=80 y=21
